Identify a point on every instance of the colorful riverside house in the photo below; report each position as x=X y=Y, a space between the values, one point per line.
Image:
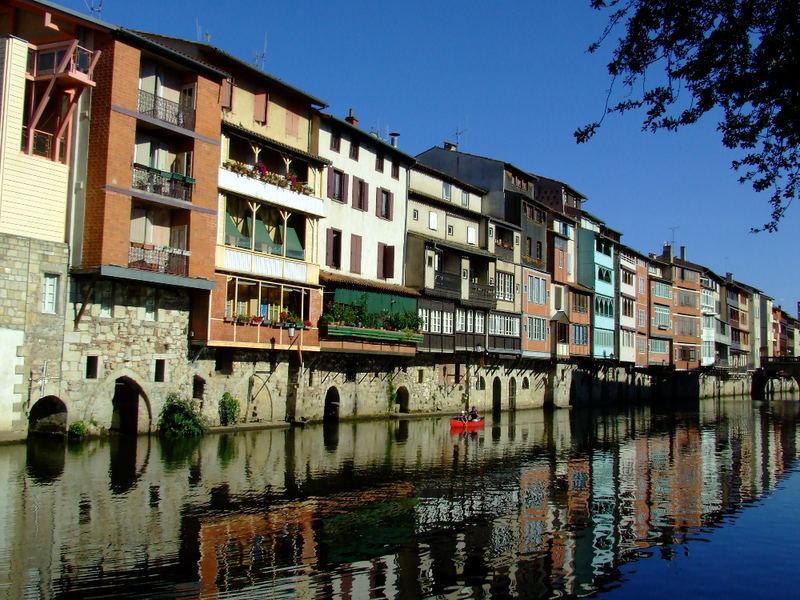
x=448 y=263
x=509 y=190
x=628 y=305
x=659 y=344
x=737 y=305
x=48 y=60
x=143 y=231
x=642 y=306
x=686 y=312
x=596 y=248
x=270 y=205
x=714 y=338
x=570 y=302
x=363 y=254
x=536 y=335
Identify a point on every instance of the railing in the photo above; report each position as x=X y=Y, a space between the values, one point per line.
x=45 y=60
x=163 y=183
x=147 y=257
x=482 y=294
x=42 y=142
x=503 y=252
x=165 y=110
x=447 y=281
x=264 y=247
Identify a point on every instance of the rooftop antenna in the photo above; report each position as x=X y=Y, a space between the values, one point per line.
x=260 y=58
x=458 y=133
x=673 y=229
x=202 y=36
x=95 y=7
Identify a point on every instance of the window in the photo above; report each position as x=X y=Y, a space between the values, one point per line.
x=537 y=290
x=641 y=285
x=627 y=277
x=659 y=346
x=603 y=337
x=580 y=335
x=355 y=253
x=627 y=307
x=106 y=293
x=603 y=306
x=415 y=214
x=447 y=322
x=395 y=170
x=627 y=338
x=580 y=303
x=504 y=290
x=336 y=141
x=50 y=293
x=433 y=221
x=223 y=361
x=424 y=316
x=92 y=367
x=603 y=246
x=479 y=322
x=686 y=326
x=385 y=261
x=537 y=329
x=661 y=317
x=538 y=250
x=354 y=148
x=662 y=290
x=333 y=248
x=464 y=199
x=150 y=305
x=446 y=190
x=505 y=325
x=708 y=350
x=603 y=274
x=379 y=162
x=708 y=322
x=642 y=318
x=558 y=299
x=436 y=321
x=337 y=185
x=460 y=319
x=159 y=372
x=472 y=236
x=360 y=194
x=528 y=246
x=385 y=199
x=641 y=344
x=260 y=105
x=687 y=298
x=450 y=230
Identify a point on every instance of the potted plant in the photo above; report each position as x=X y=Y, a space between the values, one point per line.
x=241 y=318
x=256 y=320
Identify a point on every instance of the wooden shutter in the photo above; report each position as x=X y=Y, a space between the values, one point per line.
x=260 y=108
x=345 y=179
x=355 y=253
x=388 y=262
x=381 y=249
x=391 y=206
x=226 y=94
x=378 y=201
x=329 y=248
x=364 y=196
x=356 y=192
x=331 y=182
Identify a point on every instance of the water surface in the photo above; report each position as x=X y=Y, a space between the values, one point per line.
x=638 y=502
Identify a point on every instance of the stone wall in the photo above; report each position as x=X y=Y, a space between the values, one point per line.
x=32 y=340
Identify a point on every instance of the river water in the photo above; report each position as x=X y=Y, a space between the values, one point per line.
x=636 y=502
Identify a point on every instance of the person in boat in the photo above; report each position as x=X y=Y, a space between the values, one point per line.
x=473 y=414
x=463 y=416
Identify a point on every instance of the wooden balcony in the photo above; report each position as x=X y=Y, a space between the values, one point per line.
x=481 y=295
x=447 y=285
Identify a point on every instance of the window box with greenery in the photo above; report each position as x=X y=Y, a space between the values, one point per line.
x=352 y=320
x=260 y=172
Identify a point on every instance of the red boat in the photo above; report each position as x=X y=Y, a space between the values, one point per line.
x=456 y=423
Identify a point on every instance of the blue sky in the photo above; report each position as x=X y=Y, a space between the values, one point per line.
x=516 y=79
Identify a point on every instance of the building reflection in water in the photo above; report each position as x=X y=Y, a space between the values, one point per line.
x=537 y=505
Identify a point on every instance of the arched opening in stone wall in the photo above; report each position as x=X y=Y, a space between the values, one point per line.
x=512 y=394
x=48 y=415
x=198 y=388
x=525 y=383
x=402 y=399
x=331 y=411
x=497 y=395
x=125 y=415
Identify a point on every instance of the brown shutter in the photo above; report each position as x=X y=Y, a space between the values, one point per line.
x=260 y=108
x=356 y=192
x=345 y=179
x=391 y=205
x=388 y=262
x=226 y=94
x=331 y=182
x=365 y=195
x=329 y=247
x=381 y=249
x=378 y=201
x=355 y=253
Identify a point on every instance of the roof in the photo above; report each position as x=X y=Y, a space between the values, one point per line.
x=579 y=288
x=280 y=146
x=452 y=245
x=507 y=165
x=566 y=185
x=368 y=136
x=74 y=14
x=447 y=177
x=195 y=50
x=371 y=284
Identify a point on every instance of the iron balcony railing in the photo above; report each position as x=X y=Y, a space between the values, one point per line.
x=165 y=110
x=147 y=257
x=482 y=294
x=447 y=281
x=163 y=183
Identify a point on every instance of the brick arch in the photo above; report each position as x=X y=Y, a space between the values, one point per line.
x=48 y=415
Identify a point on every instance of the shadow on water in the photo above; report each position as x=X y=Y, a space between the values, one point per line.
x=45 y=458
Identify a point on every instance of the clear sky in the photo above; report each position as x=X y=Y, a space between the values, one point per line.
x=515 y=79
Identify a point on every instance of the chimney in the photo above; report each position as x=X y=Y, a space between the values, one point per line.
x=683 y=252
x=729 y=277
x=450 y=146
x=666 y=252
x=351 y=118
x=394 y=135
